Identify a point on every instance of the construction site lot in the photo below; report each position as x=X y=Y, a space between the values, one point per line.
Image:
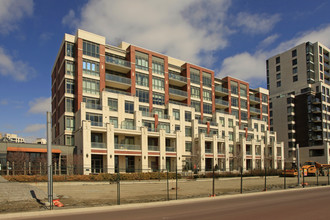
x=91 y=194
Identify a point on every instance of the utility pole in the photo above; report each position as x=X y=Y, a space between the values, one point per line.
x=49 y=161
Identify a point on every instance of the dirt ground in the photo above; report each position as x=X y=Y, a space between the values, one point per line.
x=89 y=194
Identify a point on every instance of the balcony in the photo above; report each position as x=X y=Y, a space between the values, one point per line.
x=117 y=81
x=177 y=80
x=221 y=91
x=317 y=119
x=117 y=65
x=93 y=106
x=208 y=150
x=254 y=111
x=317 y=137
x=97 y=123
x=326 y=66
x=326 y=73
x=127 y=147
x=219 y=103
x=316 y=101
x=254 y=99
x=153 y=148
x=317 y=128
x=98 y=145
x=117 y=91
x=177 y=94
x=170 y=149
x=128 y=127
x=316 y=110
x=326 y=57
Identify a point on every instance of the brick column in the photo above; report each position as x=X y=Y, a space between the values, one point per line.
x=79 y=77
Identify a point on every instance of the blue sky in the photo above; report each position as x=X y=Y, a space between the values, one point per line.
x=232 y=37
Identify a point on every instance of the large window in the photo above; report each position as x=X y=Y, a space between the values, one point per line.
x=91 y=68
x=113 y=104
x=188 y=131
x=69 y=140
x=234 y=101
x=158 y=83
x=207 y=80
x=96 y=119
x=158 y=99
x=69 y=86
x=176 y=114
x=196 y=105
x=165 y=126
x=194 y=76
x=129 y=107
x=69 y=123
x=91 y=86
x=243 y=90
x=114 y=121
x=188 y=147
x=143 y=95
x=244 y=115
x=69 y=49
x=128 y=124
x=91 y=49
x=144 y=110
x=207 y=108
x=195 y=92
x=234 y=87
x=207 y=95
x=158 y=65
x=187 y=116
x=142 y=79
x=69 y=68
x=243 y=103
x=141 y=61
x=69 y=105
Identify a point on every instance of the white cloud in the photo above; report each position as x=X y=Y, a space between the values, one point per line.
x=252 y=66
x=40 y=105
x=183 y=29
x=13 y=11
x=17 y=69
x=34 y=128
x=268 y=41
x=256 y=23
x=70 y=19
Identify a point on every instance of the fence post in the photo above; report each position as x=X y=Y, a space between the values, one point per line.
x=176 y=184
x=241 y=191
x=213 y=194
x=284 y=177
x=265 y=179
x=303 y=178
x=167 y=185
x=317 y=177
x=328 y=176
x=7 y=168
x=29 y=167
x=118 y=187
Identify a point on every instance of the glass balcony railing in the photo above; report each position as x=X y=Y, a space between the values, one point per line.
x=119 y=79
x=178 y=92
x=221 y=102
x=153 y=148
x=221 y=89
x=177 y=77
x=208 y=150
x=98 y=145
x=254 y=98
x=127 y=147
x=97 y=123
x=117 y=61
x=326 y=65
x=117 y=91
x=256 y=110
x=128 y=127
x=170 y=149
x=93 y=106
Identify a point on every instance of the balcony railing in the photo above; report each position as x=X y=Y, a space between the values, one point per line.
x=170 y=149
x=221 y=89
x=93 y=106
x=254 y=98
x=178 y=92
x=326 y=65
x=98 y=145
x=119 y=79
x=177 y=103
x=208 y=150
x=127 y=147
x=117 y=91
x=221 y=102
x=248 y=152
x=326 y=57
x=97 y=123
x=128 y=127
x=252 y=109
x=117 y=61
x=177 y=77
x=153 y=148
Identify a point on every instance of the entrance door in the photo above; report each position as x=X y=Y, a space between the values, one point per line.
x=130 y=164
x=168 y=163
x=97 y=163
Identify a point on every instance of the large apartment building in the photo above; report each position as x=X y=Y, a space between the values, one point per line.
x=131 y=109
x=299 y=83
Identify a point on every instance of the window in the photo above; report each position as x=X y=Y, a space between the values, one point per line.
x=294 y=62
x=321 y=67
x=143 y=95
x=69 y=86
x=278 y=76
x=69 y=68
x=243 y=103
x=207 y=108
x=207 y=80
x=129 y=107
x=294 y=53
x=295 y=78
x=231 y=136
x=158 y=99
x=262 y=128
x=159 y=112
x=69 y=140
x=158 y=65
x=96 y=119
x=234 y=101
x=278 y=60
x=188 y=147
x=188 y=131
x=195 y=92
x=91 y=86
x=222 y=121
x=278 y=83
x=142 y=79
x=113 y=104
x=141 y=60
x=91 y=68
x=69 y=123
x=114 y=121
x=235 y=113
x=256 y=126
x=294 y=70
x=196 y=105
x=207 y=95
x=321 y=60
x=187 y=116
x=194 y=76
x=69 y=49
x=69 y=105
x=264 y=98
x=234 y=87
x=320 y=49
x=158 y=83
x=176 y=114
x=91 y=49
x=316 y=152
x=230 y=123
x=165 y=126
x=243 y=90
x=177 y=127
x=149 y=124
x=278 y=68
x=265 y=109
x=244 y=115
x=128 y=124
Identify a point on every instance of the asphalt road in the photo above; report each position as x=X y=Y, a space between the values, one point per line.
x=308 y=203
